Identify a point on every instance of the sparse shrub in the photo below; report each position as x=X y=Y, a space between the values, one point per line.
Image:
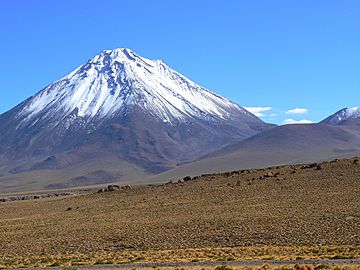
x=223 y=267
x=340 y=257
x=76 y=263
x=139 y=259
x=265 y=267
x=322 y=266
x=304 y=267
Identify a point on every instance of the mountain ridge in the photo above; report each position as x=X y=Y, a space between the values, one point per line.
x=281 y=145
x=342 y=116
x=120 y=105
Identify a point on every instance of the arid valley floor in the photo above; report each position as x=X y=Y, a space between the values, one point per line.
x=288 y=212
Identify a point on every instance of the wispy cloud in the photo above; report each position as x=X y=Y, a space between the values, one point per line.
x=297 y=111
x=292 y=121
x=258 y=111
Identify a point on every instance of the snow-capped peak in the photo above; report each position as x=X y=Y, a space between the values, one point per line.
x=353 y=112
x=343 y=115
x=114 y=80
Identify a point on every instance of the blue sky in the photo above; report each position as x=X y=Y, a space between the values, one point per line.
x=295 y=60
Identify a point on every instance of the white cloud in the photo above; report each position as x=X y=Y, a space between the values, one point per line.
x=297 y=111
x=258 y=111
x=292 y=121
x=273 y=115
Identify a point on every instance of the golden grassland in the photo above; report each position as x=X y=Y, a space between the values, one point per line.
x=288 y=212
x=184 y=255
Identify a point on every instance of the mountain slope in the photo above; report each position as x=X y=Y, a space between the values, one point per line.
x=288 y=144
x=120 y=105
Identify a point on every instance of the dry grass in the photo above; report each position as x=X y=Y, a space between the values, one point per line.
x=299 y=213
x=183 y=255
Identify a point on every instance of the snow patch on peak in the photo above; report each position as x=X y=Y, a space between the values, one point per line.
x=114 y=80
x=343 y=115
x=353 y=111
x=348 y=113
